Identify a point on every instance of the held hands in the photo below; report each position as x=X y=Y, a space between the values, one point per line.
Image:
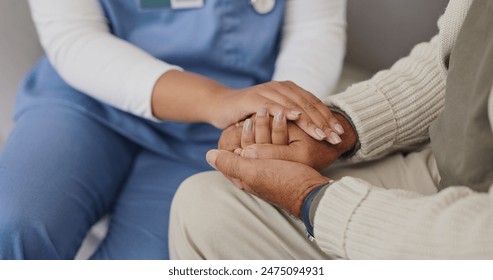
x=295 y=103
x=262 y=139
x=272 y=161
x=187 y=97
x=281 y=183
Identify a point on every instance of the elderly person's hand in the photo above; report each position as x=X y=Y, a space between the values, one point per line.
x=282 y=183
x=257 y=138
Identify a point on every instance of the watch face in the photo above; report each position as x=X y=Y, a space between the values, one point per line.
x=263 y=6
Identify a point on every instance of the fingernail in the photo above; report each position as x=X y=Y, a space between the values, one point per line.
x=262 y=112
x=247 y=126
x=334 y=138
x=278 y=117
x=338 y=128
x=211 y=157
x=295 y=113
x=249 y=153
x=320 y=133
x=238 y=151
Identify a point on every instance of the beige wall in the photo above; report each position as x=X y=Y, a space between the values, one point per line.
x=382 y=31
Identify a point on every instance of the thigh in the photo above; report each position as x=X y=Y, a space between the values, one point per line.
x=212 y=219
x=59 y=172
x=139 y=220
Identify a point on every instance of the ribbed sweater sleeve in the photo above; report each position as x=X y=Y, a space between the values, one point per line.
x=356 y=220
x=394 y=109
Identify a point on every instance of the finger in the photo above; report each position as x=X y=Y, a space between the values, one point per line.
x=269 y=151
x=230 y=138
x=318 y=128
x=262 y=127
x=279 y=129
x=247 y=135
x=322 y=108
x=270 y=99
x=315 y=110
x=249 y=175
x=310 y=128
x=232 y=165
x=311 y=120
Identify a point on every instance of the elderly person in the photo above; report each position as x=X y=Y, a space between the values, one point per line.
x=428 y=201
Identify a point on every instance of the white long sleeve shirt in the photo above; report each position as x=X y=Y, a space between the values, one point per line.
x=394 y=109
x=77 y=40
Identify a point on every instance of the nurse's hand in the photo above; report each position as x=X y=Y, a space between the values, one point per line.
x=296 y=104
x=261 y=137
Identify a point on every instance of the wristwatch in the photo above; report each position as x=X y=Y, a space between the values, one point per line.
x=307 y=211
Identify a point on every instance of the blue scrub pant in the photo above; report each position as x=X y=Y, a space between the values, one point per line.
x=62 y=170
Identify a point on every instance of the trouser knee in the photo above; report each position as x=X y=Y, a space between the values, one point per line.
x=24 y=235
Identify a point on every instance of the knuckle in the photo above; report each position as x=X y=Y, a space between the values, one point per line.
x=272 y=86
x=319 y=102
x=262 y=86
x=309 y=123
x=328 y=116
x=289 y=83
x=279 y=129
x=309 y=107
x=324 y=126
x=291 y=105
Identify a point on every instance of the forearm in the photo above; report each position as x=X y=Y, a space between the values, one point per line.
x=177 y=90
x=358 y=221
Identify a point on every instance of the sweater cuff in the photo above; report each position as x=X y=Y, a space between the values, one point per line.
x=372 y=116
x=334 y=213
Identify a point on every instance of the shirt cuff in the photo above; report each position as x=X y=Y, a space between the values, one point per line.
x=370 y=114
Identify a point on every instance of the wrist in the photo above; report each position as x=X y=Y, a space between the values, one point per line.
x=218 y=106
x=185 y=97
x=310 y=204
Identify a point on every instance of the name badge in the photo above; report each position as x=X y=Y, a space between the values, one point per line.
x=187 y=4
x=174 y=4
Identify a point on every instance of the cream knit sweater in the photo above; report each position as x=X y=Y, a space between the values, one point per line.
x=393 y=111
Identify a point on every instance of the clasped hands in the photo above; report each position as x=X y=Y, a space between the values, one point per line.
x=275 y=160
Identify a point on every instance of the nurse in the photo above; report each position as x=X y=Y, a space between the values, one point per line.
x=131 y=95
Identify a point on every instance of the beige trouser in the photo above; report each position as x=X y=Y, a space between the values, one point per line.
x=212 y=219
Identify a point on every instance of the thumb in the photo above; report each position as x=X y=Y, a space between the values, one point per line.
x=230 y=164
x=268 y=151
x=211 y=157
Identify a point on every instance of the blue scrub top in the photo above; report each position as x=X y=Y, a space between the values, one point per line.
x=225 y=40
